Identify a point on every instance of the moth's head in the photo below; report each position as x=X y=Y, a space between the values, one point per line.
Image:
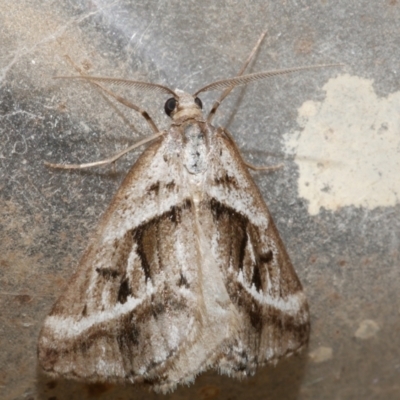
x=183 y=106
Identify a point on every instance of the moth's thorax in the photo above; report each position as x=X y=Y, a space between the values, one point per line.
x=186 y=107
x=195 y=147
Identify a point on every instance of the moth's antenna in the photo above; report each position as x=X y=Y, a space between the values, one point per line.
x=244 y=79
x=226 y=92
x=145 y=86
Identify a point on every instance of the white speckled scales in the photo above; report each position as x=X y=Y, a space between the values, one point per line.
x=186 y=272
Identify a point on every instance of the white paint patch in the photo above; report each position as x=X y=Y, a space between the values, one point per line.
x=321 y=354
x=367 y=329
x=348 y=152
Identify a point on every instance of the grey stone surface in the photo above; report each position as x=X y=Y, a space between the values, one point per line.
x=348 y=259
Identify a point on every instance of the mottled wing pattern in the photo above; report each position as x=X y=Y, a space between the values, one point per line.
x=186 y=272
x=258 y=274
x=128 y=310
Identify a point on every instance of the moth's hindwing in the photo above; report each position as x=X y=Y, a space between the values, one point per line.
x=186 y=272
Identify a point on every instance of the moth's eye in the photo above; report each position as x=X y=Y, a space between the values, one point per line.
x=169 y=106
x=198 y=102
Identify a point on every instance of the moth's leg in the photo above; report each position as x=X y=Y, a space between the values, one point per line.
x=228 y=90
x=120 y=99
x=106 y=98
x=115 y=157
x=268 y=168
x=110 y=160
x=127 y=103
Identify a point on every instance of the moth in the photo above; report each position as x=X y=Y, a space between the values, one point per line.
x=186 y=271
